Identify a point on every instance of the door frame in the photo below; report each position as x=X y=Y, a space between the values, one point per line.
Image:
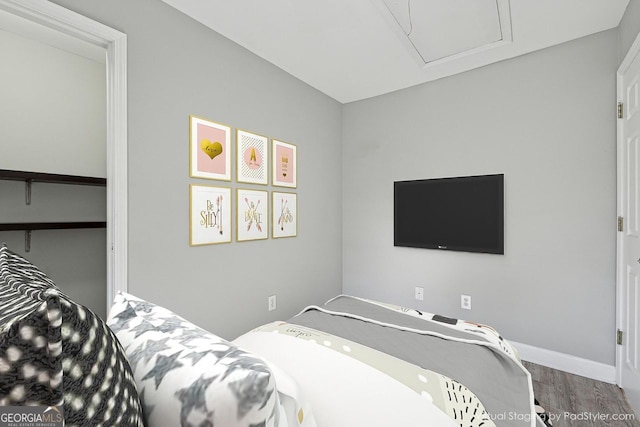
x=114 y=42
x=633 y=52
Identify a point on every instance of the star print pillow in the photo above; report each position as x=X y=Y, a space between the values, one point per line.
x=187 y=376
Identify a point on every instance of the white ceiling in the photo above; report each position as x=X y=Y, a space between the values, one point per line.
x=356 y=49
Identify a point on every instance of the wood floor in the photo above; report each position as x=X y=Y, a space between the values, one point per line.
x=575 y=401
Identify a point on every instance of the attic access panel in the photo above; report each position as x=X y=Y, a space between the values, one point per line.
x=440 y=30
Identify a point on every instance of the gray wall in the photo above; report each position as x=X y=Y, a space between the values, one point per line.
x=76 y=260
x=177 y=67
x=546 y=121
x=629 y=26
x=543 y=119
x=53 y=120
x=53 y=109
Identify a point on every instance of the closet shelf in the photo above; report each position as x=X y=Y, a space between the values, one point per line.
x=29 y=226
x=51 y=178
x=12 y=175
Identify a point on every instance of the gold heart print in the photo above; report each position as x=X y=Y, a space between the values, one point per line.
x=211 y=149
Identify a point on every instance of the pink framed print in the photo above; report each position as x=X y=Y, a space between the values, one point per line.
x=285 y=167
x=252 y=158
x=284 y=215
x=252 y=215
x=210 y=215
x=210 y=149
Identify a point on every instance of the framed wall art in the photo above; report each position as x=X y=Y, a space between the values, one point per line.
x=210 y=215
x=285 y=167
x=252 y=158
x=252 y=215
x=210 y=149
x=284 y=215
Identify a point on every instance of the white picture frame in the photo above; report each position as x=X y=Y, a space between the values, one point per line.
x=252 y=215
x=252 y=158
x=210 y=215
x=284 y=215
x=210 y=149
x=284 y=164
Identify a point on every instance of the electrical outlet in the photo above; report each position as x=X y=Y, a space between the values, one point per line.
x=419 y=293
x=272 y=302
x=465 y=302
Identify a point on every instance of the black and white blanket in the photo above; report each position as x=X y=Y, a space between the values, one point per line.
x=410 y=348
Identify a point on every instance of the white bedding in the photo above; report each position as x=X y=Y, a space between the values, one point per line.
x=343 y=391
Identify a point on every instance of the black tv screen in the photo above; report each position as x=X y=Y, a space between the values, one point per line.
x=456 y=214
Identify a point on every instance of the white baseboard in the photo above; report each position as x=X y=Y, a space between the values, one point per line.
x=566 y=362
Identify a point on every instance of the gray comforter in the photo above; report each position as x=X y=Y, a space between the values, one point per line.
x=501 y=383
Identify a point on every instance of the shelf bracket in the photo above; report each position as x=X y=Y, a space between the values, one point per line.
x=27 y=192
x=27 y=240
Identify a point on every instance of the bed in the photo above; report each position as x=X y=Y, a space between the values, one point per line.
x=365 y=363
x=349 y=363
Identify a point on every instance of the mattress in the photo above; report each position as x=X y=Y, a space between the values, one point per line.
x=364 y=363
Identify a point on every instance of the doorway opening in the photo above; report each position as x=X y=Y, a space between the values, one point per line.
x=65 y=25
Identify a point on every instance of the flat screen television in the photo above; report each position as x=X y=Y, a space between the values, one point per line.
x=456 y=214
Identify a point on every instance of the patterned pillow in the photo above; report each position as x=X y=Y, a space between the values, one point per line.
x=54 y=351
x=30 y=347
x=190 y=377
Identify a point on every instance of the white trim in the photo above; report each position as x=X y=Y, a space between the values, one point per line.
x=634 y=51
x=566 y=362
x=115 y=43
x=117 y=165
